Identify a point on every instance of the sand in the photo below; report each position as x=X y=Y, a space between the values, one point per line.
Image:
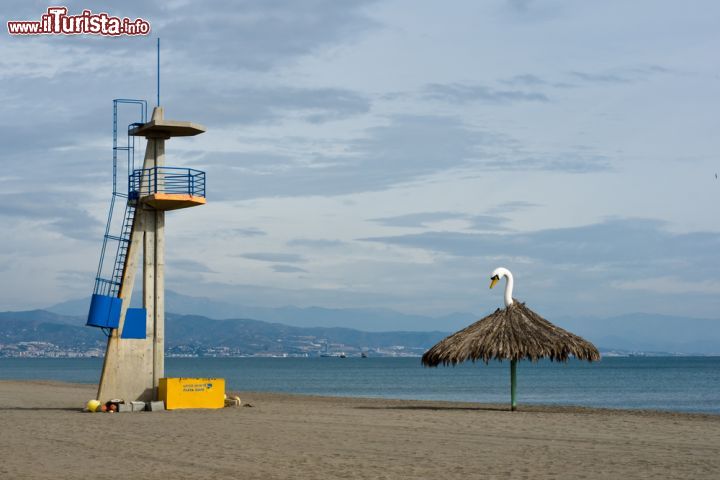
x=43 y=434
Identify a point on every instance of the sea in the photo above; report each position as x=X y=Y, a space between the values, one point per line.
x=681 y=384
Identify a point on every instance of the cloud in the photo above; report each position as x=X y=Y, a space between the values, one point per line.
x=315 y=243
x=488 y=222
x=601 y=77
x=618 y=265
x=459 y=93
x=249 y=232
x=513 y=206
x=189 y=266
x=578 y=161
x=407 y=148
x=273 y=257
x=621 y=75
x=417 y=220
x=525 y=79
x=251 y=35
x=671 y=285
x=287 y=269
x=629 y=245
x=222 y=35
x=521 y=6
x=75 y=277
x=424 y=219
x=247 y=104
x=530 y=80
x=54 y=211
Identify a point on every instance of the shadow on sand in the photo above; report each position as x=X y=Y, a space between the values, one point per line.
x=40 y=409
x=435 y=408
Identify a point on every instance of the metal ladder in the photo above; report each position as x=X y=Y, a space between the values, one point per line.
x=122 y=248
x=108 y=280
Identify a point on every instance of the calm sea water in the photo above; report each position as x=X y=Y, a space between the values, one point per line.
x=690 y=384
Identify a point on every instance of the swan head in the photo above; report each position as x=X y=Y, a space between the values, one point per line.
x=497 y=274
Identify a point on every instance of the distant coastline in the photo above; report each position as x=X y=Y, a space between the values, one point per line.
x=48 y=350
x=45 y=334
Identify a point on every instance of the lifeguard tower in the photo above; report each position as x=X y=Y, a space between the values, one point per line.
x=134 y=359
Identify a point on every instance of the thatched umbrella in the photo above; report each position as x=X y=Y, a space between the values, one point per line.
x=513 y=333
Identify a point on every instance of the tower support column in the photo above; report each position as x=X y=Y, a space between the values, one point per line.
x=159 y=304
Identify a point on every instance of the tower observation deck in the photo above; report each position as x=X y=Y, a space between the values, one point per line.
x=167 y=188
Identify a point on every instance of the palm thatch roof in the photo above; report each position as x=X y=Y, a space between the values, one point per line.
x=511 y=333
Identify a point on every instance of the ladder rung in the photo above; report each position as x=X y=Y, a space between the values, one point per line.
x=119 y=239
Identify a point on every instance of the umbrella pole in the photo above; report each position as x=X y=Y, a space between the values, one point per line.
x=513 y=374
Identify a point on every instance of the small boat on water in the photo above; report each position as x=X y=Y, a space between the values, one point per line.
x=333 y=355
x=363 y=355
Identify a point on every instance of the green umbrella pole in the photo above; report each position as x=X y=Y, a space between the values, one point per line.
x=513 y=375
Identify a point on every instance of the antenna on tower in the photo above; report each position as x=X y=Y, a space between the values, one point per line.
x=158 y=71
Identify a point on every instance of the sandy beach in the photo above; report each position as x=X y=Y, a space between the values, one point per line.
x=45 y=435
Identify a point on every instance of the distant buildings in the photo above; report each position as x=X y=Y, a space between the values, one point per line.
x=300 y=346
x=47 y=350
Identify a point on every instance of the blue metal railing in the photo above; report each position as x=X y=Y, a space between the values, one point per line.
x=173 y=180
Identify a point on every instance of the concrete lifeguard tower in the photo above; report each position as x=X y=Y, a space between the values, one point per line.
x=134 y=359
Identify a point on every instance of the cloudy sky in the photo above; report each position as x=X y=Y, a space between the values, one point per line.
x=384 y=153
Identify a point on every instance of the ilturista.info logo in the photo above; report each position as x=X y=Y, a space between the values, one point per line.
x=56 y=21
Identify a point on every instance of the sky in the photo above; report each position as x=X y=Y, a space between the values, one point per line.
x=383 y=154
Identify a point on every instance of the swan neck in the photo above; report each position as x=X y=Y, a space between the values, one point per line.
x=508 y=289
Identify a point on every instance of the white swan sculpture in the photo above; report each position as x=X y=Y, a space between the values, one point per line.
x=495 y=277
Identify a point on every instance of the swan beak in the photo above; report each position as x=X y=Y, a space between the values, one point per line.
x=494 y=280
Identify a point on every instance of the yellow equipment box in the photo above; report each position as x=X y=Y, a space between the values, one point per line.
x=192 y=392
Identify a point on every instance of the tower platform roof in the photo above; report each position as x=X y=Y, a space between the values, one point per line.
x=167 y=129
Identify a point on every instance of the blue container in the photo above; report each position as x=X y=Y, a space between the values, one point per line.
x=104 y=311
x=135 y=324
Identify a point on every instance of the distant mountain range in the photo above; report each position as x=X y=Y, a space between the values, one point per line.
x=42 y=326
x=203 y=325
x=40 y=331
x=649 y=333
x=366 y=319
